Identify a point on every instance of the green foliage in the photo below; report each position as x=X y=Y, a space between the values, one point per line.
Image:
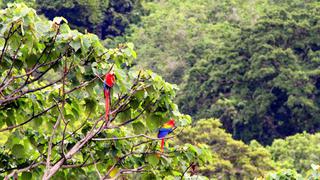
x=230 y=159
x=313 y=174
x=176 y=34
x=296 y=152
x=106 y=18
x=264 y=83
x=4 y=3
x=52 y=105
x=244 y=61
x=284 y=175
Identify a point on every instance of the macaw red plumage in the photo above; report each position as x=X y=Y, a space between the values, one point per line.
x=109 y=82
x=166 y=129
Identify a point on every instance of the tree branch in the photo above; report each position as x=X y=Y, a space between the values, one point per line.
x=133 y=119
x=132 y=137
x=125 y=171
x=34 y=165
x=11 y=67
x=6 y=39
x=30 y=119
x=95 y=166
x=186 y=170
x=33 y=117
x=50 y=143
x=9 y=99
x=74 y=149
x=15 y=172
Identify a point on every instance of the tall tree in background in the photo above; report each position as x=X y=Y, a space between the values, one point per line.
x=297 y=152
x=264 y=83
x=176 y=34
x=231 y=159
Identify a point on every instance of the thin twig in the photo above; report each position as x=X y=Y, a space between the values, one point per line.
x=125 y=171
x=30 y=119
x=6 y=43
x=15 y=172
x=132 y=137
x=186 y=170
x=63 y=137
x=11 y=67
x=95 y=166
x=74 y=132
x=33 y=117
x=74 y=150
x=50 y=143
x=135 y=118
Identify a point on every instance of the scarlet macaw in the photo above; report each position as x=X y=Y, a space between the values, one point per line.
x=166 y=129
x=109 y=82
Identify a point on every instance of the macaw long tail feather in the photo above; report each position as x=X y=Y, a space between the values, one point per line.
x=162 y=144
x=107 y=96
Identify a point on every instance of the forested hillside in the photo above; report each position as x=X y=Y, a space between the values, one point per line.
x=244 y=95
x=253 y=68
x=264 y=83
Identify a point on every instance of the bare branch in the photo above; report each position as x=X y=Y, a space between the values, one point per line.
x=6 y=39
x=41 y=65
x=130 y=120
x=34 y=165
x=95 y=166
x=15 y=172
x=125 y=171
x=63 y=137
x=74 y=149
x=135 y=136
x=30 y=119
x=11 y=67
x=35 y=66
x=81 y=85
x=186 y=170
x=150 y=140
x=46 y=110
x=11 y=97
x=7 y=100
x=48 y=166
x=50 y=143
x=114 y=165
x=135 y=118
x=53 y=40
x=79 y=165
x=65 y=72
x=74 y=132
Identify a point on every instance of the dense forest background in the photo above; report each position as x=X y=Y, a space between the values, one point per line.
x=246 y=71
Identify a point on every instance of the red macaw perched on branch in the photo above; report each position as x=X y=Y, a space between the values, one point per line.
x=109 y=82
x=166 y=129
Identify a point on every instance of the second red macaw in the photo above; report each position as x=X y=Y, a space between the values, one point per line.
x=110 y=80
x=166 y=129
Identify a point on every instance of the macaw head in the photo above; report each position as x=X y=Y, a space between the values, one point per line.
x=171 y=122
x=110 y=79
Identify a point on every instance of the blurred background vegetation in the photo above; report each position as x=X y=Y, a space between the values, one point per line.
x=248 y=73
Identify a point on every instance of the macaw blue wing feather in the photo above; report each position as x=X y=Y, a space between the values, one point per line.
x=163 y=132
